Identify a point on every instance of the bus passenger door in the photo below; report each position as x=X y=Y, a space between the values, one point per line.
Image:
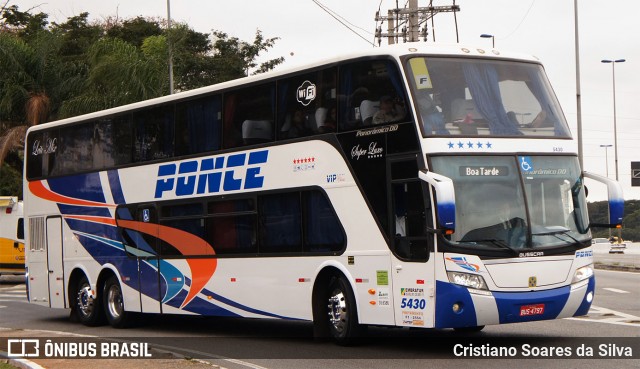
x=412 y=261
x=54 y=262
x=139 y=227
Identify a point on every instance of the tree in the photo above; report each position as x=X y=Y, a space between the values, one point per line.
x=235 y=58
x=34 y=78
x=61 y=70
x=119 y=74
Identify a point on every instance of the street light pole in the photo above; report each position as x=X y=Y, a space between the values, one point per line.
x=606 y=157
x=615 y=128
x=578 y=96
x=492 y=37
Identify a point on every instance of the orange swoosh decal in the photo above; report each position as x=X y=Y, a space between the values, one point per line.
x=95 y=219
x=188 y=244
x=38 y=189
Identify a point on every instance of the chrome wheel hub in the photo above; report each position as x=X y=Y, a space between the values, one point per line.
x=338 y=310
x=114 y=301
x=85 y=300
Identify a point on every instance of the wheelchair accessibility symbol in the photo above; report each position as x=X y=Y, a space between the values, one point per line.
x=526 y=164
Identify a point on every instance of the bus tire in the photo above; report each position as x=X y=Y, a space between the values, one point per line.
x=342 y=314
x=113 y=304
x=88 y=308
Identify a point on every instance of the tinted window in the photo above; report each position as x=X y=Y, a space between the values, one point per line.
x=153 y=134
x=231 y=226
x=307 y=104
x=322 y=228
x=199 y=125
x=249 y=115
x=371 y=93
x=280 y=218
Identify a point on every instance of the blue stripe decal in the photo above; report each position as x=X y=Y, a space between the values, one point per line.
x=169 y=272
x=116 y=187
x=104 y=230
x=84 y=210
x=203 y=307
x=116 y=244
x=85 y=187
x=509 y=304
x=586 y=305
x=448 y=294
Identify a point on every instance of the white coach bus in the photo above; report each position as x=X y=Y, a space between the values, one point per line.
x=412 y=186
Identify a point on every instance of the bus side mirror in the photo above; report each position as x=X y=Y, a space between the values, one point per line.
x=616 y=201
x=445 y=200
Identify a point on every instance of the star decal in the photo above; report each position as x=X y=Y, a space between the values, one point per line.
x=487 y=145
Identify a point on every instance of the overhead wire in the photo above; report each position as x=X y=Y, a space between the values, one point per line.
x=337 y=17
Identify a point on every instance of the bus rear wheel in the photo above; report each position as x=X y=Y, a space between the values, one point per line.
x=87 y=305
x=341 y=313
x=114 y=304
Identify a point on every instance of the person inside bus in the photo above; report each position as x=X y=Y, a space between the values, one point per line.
x=540 y=121
x=329 y=124
x=390 y=111
x=432 y=117
x=298 y=126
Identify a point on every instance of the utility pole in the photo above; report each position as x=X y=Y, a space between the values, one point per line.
x=169 y=42
x=410 y=23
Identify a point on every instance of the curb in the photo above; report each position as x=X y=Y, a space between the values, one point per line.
x=619 y=268
x=19 y=363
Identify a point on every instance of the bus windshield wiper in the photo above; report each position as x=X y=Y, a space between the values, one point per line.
x=556 y=231
x=496 y=242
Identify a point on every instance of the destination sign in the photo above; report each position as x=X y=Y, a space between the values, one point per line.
x=487 y=171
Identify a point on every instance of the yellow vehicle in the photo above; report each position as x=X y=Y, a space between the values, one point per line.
x=11 y=236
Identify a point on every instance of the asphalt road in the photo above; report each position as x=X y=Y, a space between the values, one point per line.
x=238 y=343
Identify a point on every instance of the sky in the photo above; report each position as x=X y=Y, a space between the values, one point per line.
x=544 y=28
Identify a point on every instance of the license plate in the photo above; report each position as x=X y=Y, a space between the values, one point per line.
x=527 y=310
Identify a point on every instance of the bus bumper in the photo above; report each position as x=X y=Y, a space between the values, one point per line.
x=475 y=308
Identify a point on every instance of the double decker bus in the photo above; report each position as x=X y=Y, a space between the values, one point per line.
x=11 y=236
x=413 y=186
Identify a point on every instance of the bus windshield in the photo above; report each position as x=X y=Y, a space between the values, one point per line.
x=519 y=202
x=471 y=97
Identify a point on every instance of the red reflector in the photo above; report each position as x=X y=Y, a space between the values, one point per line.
x=233 y=279
x=358 y=280
x=301 y=280
x=420 y=281
x=8 y=211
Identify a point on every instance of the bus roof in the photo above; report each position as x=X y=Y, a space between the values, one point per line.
x=395 y=51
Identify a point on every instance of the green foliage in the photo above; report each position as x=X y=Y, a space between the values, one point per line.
x=54 y=71
x=599 y=213
x=10 y=181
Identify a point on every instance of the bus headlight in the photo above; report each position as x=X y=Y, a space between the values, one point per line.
x=583 y=273
x=468 y=280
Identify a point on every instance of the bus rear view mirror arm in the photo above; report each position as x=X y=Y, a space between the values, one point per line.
x=445 y=200
x=615 y=199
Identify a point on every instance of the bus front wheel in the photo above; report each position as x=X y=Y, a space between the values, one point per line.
x=87 y=305
x=114 y=304
x=341 y=312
